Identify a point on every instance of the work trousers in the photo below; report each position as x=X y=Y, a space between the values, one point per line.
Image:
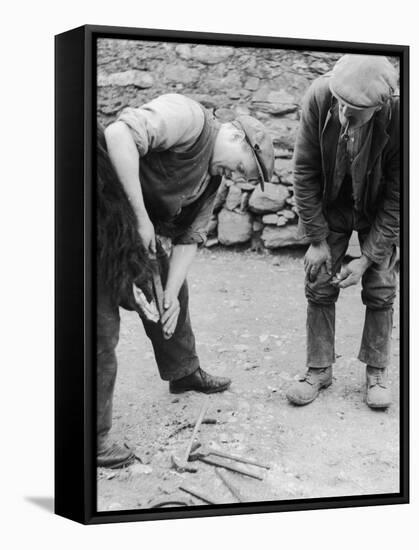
x=175 y=357
x=378 y=294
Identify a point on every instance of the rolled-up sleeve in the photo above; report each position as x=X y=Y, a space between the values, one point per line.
x=170 y=121
x=196 y=231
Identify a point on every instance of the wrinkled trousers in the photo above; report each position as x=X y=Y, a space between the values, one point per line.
x=175 y=357
x=378 y=294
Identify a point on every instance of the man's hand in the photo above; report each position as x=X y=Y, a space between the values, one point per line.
x=171 y=313
x=317 y=255
x=147 y=234
x=352 y=273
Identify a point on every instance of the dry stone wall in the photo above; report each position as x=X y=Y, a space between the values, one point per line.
x=266 y=83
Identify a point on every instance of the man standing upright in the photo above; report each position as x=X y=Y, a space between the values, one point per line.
x=347 y=177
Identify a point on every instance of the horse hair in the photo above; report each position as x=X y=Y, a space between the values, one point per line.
x=121 y=255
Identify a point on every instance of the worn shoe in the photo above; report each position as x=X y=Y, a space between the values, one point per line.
x=201 y=381
x=306 y=390
x=112 y=455
x=378 y=393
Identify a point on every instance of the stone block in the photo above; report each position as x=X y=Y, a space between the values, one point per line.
x=277 y=237
x=182 y=74
x=209 y=55
x=234 y=196
x=234 y=227
x=271 y=199
x=139 y=79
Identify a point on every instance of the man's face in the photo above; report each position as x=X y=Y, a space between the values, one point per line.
x=354 y=118
x=235 y=161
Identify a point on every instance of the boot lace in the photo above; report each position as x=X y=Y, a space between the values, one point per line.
x=309 y=376
x=377 y=378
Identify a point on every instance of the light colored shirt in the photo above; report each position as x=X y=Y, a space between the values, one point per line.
x=171 y=121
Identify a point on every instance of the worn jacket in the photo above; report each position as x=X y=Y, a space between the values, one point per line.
x=376 y=170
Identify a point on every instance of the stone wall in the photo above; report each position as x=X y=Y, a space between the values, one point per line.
x=265 y=83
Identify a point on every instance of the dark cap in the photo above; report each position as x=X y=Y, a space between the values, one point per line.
x=260 y=141
x=363 y=81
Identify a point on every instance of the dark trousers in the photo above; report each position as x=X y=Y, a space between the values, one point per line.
x=175 y=357
x=378 y=294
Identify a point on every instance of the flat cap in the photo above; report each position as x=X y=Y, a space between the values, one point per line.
x=257 y=136
x=363 y=81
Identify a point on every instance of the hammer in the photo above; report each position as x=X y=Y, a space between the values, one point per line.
x=202 y=451
x=181 y=464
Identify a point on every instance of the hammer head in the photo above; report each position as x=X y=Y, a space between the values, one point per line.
x=181 y=466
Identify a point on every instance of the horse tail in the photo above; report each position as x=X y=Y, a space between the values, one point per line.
x=121 y=255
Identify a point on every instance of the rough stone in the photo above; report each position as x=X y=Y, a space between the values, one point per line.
x=211 y=54
x=221 y=195
x=234 y=196
x=212 y=226
x=139 y=79
x=276 y=103
x=271 y=199
x=283 y=132
x=252 y=83
x=227 y=83
x=257 y=226
x=246 y=186
x=182 y=74
x=270 y=219
x=288 y=214
x=184 y=51
x=210 y=101
x=224 y=115
x=262 y=94
x=282 y=153
x=244 y=202
x=234 y=227
x=211 y=242
x=242 y=110
x=234 y=94
x=277 y=237
x=283 y=169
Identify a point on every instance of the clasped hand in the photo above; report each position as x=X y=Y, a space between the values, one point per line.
x=319 y=254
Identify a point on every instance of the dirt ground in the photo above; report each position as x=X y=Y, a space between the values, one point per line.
x=248 y=313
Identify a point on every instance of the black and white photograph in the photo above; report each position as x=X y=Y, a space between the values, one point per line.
x=248 y=257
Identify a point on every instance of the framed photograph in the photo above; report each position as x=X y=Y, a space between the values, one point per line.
x=232 y=288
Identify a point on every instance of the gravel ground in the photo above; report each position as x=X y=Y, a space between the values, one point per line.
x=248 y=313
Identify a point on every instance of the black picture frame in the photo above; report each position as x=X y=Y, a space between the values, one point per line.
x=75 y=115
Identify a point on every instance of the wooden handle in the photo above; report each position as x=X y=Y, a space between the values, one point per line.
x=195 y=430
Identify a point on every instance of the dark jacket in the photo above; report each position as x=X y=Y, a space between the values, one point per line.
x=376 y=170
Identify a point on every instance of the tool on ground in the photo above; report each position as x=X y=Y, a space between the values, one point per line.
x=182 y=464
x=214 y=461
x=163 y=502
x=197 y=494
x=206 y=451
x=232 y=488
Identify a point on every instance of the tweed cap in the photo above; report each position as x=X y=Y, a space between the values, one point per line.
x=363 y=81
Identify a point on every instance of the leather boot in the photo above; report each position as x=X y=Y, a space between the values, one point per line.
x=112 y=455
x=306 y=390
x=200 y=381
x=378 y=392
